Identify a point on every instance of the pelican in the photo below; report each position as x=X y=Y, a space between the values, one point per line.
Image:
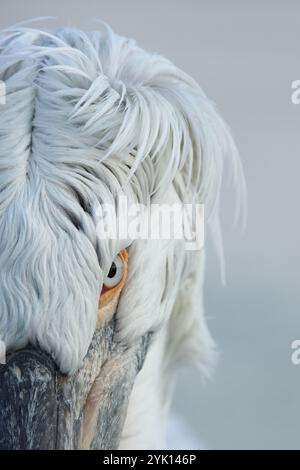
x=95 y=327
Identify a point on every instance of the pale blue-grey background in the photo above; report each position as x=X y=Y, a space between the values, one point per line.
x=245 y=55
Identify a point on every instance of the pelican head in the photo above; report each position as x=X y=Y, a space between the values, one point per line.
x=94 y=326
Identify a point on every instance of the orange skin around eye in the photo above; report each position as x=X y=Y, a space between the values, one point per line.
x=109 y=296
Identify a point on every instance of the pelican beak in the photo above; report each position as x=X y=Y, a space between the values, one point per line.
x=43 y=409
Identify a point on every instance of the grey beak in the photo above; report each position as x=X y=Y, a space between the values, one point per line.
x=40 y=408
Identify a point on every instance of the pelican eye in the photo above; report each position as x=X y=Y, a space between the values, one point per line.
x=113 y=284
x=115 y=274
x=113 y=271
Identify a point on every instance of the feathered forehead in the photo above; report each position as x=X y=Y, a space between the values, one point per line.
x=90 y=97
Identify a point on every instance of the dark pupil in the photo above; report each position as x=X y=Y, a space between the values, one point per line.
x=112 y=271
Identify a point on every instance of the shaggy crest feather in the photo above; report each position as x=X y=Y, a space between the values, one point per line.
x=89 y=116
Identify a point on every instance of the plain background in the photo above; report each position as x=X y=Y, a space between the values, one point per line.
x=245 y=55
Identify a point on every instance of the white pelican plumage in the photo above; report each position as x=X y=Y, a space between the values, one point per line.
x=95 y=328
